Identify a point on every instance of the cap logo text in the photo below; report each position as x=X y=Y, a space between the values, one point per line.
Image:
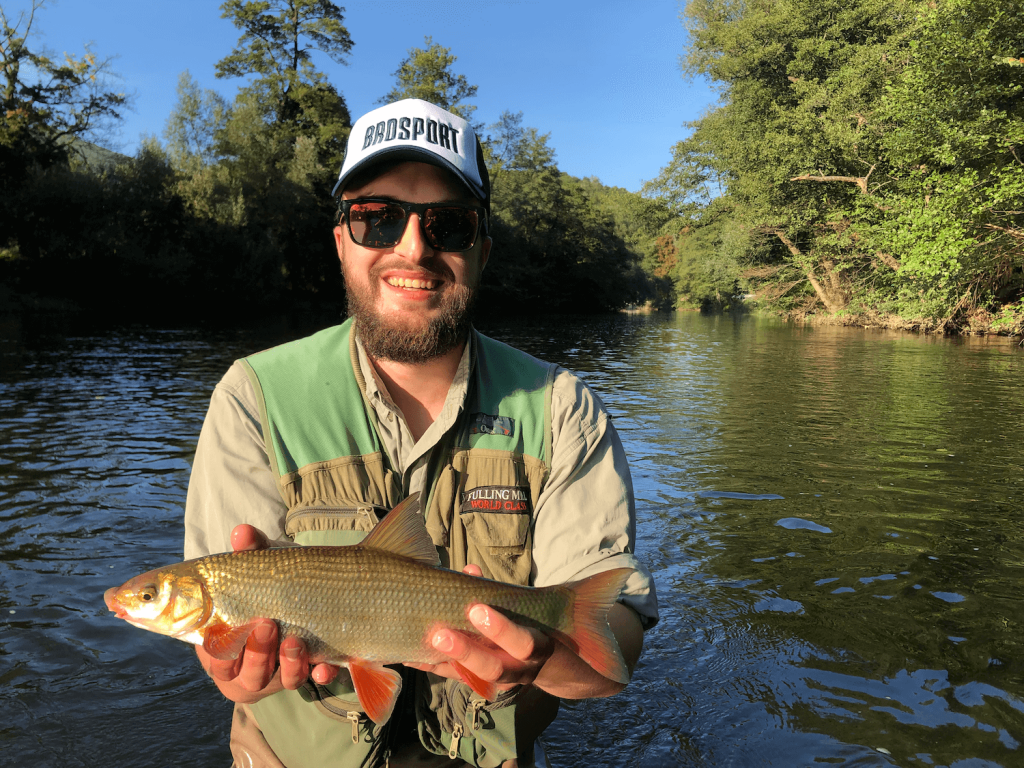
x=413 y=129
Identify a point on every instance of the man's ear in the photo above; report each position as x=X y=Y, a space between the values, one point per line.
x=339 y=242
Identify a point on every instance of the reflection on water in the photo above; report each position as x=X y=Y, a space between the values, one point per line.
x=833 y=517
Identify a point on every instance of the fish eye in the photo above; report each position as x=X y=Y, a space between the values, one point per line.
x=148 y=593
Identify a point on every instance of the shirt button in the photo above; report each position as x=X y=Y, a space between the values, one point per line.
x=391 y=416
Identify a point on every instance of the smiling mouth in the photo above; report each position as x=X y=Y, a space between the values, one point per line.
x=405 y=282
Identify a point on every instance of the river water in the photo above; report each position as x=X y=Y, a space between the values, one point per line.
x=833 y=518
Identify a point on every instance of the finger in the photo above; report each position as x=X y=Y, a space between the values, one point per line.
x=294 y=663
x=224 y=670
x=326 y=673
x=246 y=537
x=473 y=570
x=259 y=659
x=517 y=641
x=484 y=662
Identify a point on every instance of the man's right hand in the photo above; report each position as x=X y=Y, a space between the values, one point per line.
x=265 y=666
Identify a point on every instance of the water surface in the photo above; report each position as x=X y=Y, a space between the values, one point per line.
x=833 y=518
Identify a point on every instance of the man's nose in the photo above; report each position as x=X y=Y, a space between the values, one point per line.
x=413 y=245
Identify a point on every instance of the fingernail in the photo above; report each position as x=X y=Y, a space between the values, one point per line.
x=478 y=615
x=292 y=653
x=443 y=642
x=263 y=633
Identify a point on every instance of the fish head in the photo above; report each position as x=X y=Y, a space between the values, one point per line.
x=164 y=601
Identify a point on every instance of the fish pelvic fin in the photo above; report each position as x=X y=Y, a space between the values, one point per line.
x=223 y=641
x=404 y=532
x=591 y=637
x=485 y=688
x=377 y=688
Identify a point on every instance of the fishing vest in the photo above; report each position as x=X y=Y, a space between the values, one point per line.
x=337 y=482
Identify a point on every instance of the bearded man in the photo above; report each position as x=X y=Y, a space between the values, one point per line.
x=312 y=442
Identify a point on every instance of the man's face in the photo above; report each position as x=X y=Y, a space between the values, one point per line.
x=411 y=303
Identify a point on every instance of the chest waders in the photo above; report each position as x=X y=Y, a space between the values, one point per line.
x=336 y=479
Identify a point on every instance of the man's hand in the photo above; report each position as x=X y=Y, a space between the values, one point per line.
x=265 y=666
x=510 y=654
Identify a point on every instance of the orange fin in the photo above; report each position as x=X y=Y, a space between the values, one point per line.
x=483 y=687
x=222 y=641
x=591 y=638
x=403 y=532
x=377 y=688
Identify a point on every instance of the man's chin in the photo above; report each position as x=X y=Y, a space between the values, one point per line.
x=413 y=337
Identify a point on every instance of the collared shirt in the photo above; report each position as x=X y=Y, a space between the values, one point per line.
x=584 y=518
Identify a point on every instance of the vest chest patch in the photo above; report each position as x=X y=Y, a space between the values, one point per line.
x=486 y=424
x=508 y=499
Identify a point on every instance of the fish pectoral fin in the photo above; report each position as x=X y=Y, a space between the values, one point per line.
x=483 y=687
x=223 y=641
x=377 y=688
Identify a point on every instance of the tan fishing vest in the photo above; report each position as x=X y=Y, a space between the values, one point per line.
x=337 y=481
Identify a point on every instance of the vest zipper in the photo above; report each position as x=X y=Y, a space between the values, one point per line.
x=363 y=510
x=457 y=732
x=476 y=706
x=353 y=717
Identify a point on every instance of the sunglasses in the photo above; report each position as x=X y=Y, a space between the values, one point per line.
x=380 y=223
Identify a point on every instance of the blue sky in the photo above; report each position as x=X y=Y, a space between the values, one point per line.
x=602 y=77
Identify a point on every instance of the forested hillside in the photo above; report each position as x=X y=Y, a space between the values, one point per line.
x=865 y=161
x=230 y=211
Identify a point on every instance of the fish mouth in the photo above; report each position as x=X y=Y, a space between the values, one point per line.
x=110 y=598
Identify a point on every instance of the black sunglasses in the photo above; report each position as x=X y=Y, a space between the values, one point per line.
x=380 y=223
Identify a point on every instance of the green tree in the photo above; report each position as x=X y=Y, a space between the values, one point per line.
x=280 y=144
x=955 y=229
x=289 y=98
x=554 y=249
x=49 y=105
x=48 y=101
x=194 y=124
x=426 y=73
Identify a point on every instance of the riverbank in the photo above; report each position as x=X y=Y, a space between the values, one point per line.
x=979 y=323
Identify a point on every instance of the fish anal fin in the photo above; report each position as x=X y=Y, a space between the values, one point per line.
x=403 y=532
x=377 y=688
x=223 y=641
x=591 y=638
x=483 y=687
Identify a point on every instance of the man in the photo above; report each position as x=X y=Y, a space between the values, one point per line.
x=522 y=474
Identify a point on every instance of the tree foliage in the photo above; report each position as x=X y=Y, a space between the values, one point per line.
x=232 y=214
x=865 y=151
x=48 y=100
x=426 y=73
x=555 y=248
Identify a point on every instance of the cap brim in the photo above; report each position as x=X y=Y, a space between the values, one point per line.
x=415 y=155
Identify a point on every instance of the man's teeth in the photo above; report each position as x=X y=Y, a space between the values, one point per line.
x=404 y=282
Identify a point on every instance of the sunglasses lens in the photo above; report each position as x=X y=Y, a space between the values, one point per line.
x=379 y=224
x=451 y=229
x=376 y=225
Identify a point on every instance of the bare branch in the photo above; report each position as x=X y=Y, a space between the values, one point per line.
x=889 y=260
x=860 y=181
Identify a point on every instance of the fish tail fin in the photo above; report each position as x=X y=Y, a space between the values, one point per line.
x=591 y=638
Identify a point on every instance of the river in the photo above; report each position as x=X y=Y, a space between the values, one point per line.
x=833 y=518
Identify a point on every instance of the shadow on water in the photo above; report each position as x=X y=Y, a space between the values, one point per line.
x=832 y=517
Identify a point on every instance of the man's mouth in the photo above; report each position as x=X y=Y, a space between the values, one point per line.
x=409 y=283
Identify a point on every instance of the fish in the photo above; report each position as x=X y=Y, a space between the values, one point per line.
x=364 y=606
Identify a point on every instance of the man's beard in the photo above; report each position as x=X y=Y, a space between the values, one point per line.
x=385 y=340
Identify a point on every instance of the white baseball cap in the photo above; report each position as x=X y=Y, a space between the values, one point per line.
x=413 y=129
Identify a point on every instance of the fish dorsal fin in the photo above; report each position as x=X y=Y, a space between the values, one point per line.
x=403 y=532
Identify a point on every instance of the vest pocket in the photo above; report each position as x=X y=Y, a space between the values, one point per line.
x=331 y=525
x=500 y=543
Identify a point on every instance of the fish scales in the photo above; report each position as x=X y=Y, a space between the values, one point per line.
x=356 y=601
